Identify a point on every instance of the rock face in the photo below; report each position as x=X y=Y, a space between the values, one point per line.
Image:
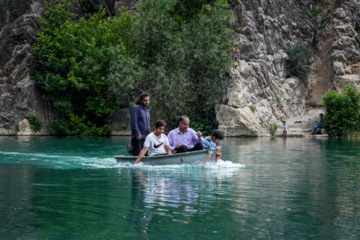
x=264 y=31
x=260 y=94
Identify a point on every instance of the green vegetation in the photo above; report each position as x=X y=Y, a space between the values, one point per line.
x=272 y=129
x=298 y=63
x=35 y=123
x=16 y=128
x=320 y=19
x=73 y=59
x=342 y=116
x=174 y=49
x=92 y=5
x=252 y=107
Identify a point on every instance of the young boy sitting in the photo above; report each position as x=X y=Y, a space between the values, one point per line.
x=210 y=143
x=156 y=143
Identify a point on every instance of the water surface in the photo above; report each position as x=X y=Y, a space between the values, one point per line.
x=266 y=188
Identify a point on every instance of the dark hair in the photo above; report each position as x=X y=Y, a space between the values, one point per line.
x=160 y=123
x=284 y=121
x=141 y=97
x=321 y=114
x=217 y=134
x=182 y=118
x=236 y=45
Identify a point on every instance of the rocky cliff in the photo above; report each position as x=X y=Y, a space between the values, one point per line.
x=259 y=94
x=263 y=93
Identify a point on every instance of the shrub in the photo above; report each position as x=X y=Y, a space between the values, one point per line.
x=298 y=63
x=35 y=123
x=252 y=107
x=320 y=19
x=342 y=112
x=272 y=129
x=72 y=61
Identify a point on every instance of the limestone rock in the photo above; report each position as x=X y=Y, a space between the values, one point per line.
x=25 y=128
x=342 y=81
x=339 y=68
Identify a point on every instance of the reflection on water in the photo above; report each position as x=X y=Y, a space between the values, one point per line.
x=266 y=188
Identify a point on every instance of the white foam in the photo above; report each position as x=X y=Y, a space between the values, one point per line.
x=221 y=164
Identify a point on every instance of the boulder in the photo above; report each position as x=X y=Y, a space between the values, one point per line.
x=25 y=128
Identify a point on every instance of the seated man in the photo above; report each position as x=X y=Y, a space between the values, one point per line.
x=319 y=124
x=183 y=138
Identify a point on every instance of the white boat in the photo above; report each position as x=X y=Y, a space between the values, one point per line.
x=178 y=158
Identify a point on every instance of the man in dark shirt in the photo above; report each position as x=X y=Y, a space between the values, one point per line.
x=319 y=124
x=140 y=123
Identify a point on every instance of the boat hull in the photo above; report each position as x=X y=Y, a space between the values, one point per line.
x=179 y=158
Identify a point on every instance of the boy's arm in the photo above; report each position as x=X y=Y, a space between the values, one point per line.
x=207 y=159
x=141 y=155
x=168 y=149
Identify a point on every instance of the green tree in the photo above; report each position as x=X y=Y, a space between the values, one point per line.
x=72 y=61
x=342 y=112
x=298 y=63
x=184 y=56
x=320 y=19
x=176 y=50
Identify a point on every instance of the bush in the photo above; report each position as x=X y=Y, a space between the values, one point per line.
x=35 y=123
x=252 y=107
x=72 y=61
x=298 y=63
x=272 y=129
x=342 y=112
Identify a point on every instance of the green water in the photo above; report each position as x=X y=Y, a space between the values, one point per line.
x=72 y=188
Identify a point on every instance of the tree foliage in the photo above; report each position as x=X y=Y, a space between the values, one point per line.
x=299 y=61
x=176 y=50
x=184 y=56
x=320 y=19
x=342 y=116
x=272 y=129
x=73 y=59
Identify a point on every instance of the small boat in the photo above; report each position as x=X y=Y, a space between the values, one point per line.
x=179 y=158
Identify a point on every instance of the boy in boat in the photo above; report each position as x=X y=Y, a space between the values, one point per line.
x=156 y=143
x=210 y=143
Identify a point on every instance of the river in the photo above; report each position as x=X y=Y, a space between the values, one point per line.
x=265 y=188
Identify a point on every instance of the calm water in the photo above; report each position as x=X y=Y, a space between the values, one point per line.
x=71 y=188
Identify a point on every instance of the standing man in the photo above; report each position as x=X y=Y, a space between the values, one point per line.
x=183 y=138
x=140 y=123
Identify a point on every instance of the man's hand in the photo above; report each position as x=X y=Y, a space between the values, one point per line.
x=199 y=134
x=177 y=146
x=138 y=137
